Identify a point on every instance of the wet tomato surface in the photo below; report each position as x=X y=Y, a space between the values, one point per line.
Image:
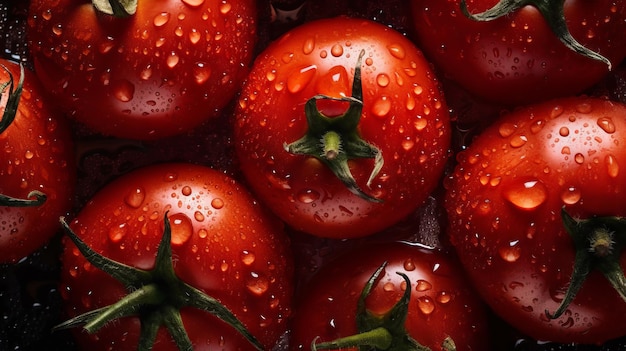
x=505 y=202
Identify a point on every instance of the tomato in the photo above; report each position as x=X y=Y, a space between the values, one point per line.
x=530 y=207
x=160 y=71
x=37 y=174
x=370 y=94
x=517 y=59
x=222 y=244
x=326 y=309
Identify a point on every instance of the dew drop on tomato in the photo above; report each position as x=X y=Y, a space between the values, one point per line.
x=217 y=203
x=247 y=257
x=201 y=72
x=612 y=167
x=182 y=228
x=397 y=51
x=257 y=284
x=300 y=79
x=308 y=46
x=606 y=124
x=193 y=3
x=526 y=195
x=423 y=285
x=425 y=305
x=135 y=197
x=123 y=90
x=161 y=19
x=117 y=233
x=570 y=195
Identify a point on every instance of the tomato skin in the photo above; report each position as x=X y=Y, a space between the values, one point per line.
x=504 y=201
x=223 y=243
x=404 y=115
x=517 y=59
x=38 y=154
x=160 y=72
x=326 y=306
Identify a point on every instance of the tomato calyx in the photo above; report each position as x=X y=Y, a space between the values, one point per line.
x=35 y=197
x=598 y=242
x=551 y=10
x=116 y=8
x=381 y=332
x=335 y=140
x=155 y=296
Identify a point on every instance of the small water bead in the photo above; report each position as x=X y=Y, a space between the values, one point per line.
x=382 y=80
x=123 y=90
x=201 y=72
x=182 y=228
x=571 y=195
x=118 y=232
x=526 y=195
x=161 y=19
x=409 y=265
x=381 y=107
x=425 y=305
x=299 y=80
x=506 y=129
x=135 y=197
x=518 y=141
x=336 y=50
x=612 y=166
x=247 y=257
x=564 y=131
x=510 y=252
x=308 y=196
x=225 y=8
x=257 y=284
x=172 y=60
x=217 y=203
x=308 y=46
x=423 y=285
x=607 y=125
x=193 y=3
x=397 y=51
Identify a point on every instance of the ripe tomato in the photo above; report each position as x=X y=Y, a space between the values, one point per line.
x=326 y=309
x=505 y=201
x=370 y=86
x=222 y=242
x=37 y=174
x=160 y=71
x=517 y=59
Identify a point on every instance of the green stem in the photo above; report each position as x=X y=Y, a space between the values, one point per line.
x=553 y=13
x=379 y=338
x=331 y=142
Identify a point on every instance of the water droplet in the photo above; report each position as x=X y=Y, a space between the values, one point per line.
x=198 y=216
x=146 y=73
x=396 y=51
x=225 y=8
x=123 y=90
x=117 y=233
x=201 y=72
x=571 y=195
x=526 y=195
x=247 y=257
x=409 y=265
x=389 y=287
x=161 y=19
x=381 y=107
x=382 y=80
x=186 y=190
x=193 y=3
x=506 y=129
x=170 y=177
x=579 y=158
x=308 y=196
x=182 y=228
x=612 y=167
x=510 y=252
x=257 y=284
x=584 y=108
x=443 y=297
x=135 y=197
x=217 y=203
x=564 y=131
x=518 y=141
x=172 y=60
x=425 y=305
x=423 y=285
x=194 y=36
x=336 y=50
x=607 y=125
x=308 y=46
x=297 y=81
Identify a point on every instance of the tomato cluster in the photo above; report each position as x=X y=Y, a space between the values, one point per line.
x=313 y=175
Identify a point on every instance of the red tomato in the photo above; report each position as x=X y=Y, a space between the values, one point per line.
x=390 y=113
x=223 y=244
x=37 y=156
x=441 y=305
x=517 y=59
x=504 y=205
x=161 y=71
